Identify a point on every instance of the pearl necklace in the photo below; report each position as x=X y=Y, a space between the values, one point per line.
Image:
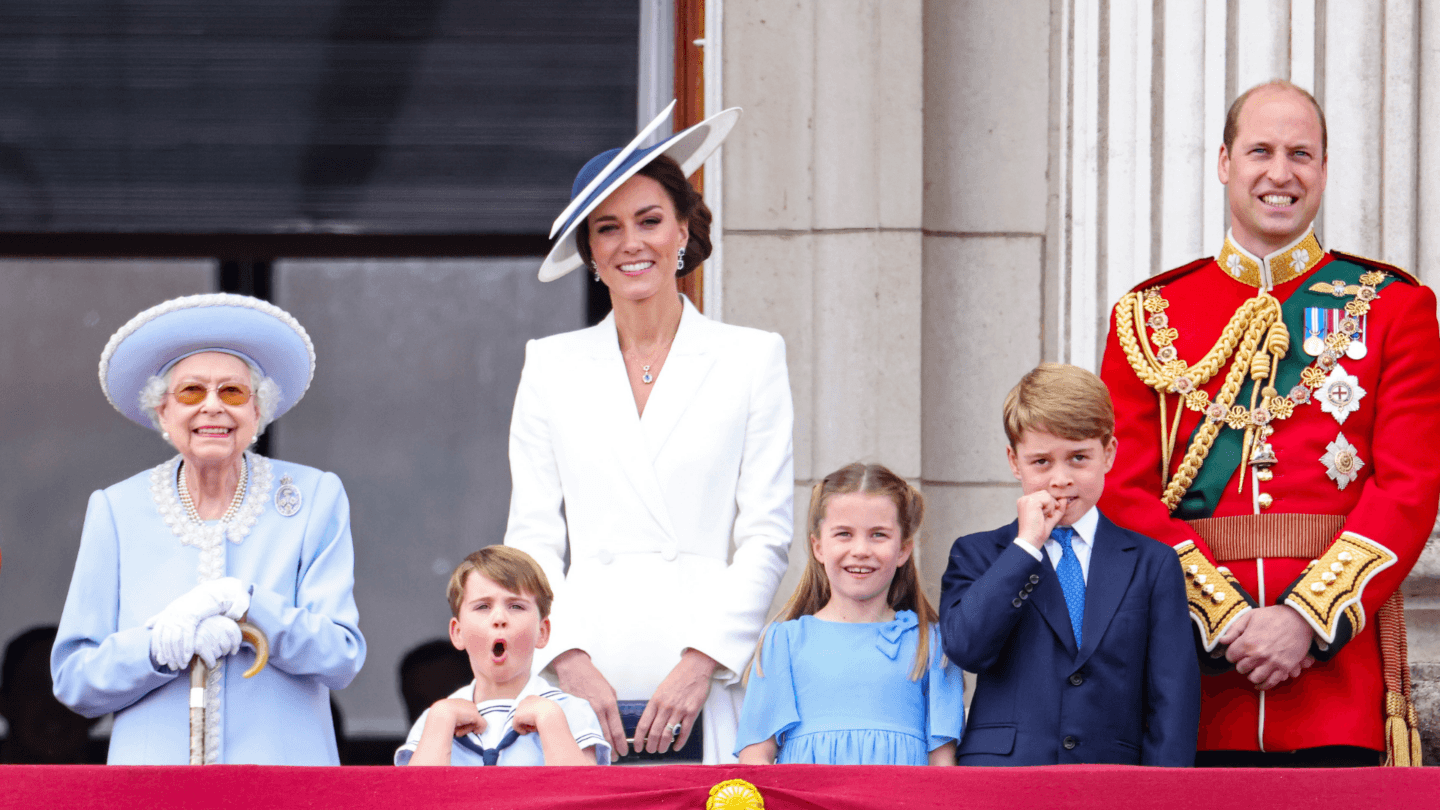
x=239 y=498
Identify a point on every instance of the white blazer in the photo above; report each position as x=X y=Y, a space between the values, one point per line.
x=650 y=508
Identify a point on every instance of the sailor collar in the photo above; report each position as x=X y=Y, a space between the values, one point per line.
x=1286 y=264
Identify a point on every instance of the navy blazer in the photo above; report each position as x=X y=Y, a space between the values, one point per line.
x=1130 y=695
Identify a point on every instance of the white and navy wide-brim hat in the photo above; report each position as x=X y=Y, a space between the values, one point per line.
x=167 y=333
x=608 y=170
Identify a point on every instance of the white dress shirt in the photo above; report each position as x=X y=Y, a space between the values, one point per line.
x=1083 y=543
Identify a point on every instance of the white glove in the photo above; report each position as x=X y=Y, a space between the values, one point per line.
x=216 y=636
x=172 y=642
x=172 y=630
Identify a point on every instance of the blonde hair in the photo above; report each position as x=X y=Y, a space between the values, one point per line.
x=813 y=592
x=1067 y=401
x=510 y=568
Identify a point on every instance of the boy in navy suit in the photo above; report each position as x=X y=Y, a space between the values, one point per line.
x=1078 y=630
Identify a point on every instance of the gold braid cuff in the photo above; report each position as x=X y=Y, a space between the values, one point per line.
x=1216 y=598
x=1330 y=588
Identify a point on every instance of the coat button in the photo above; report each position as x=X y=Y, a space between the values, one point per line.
x=1266 y=499
x=1076 y=679
x=1070 y=743
x=1034 y=579
x=1016 y=602
x=1024 y=595
x=1029 y=587
x=604 y=557
x=669 y=553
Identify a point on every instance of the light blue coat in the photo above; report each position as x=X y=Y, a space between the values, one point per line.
x=131 y=565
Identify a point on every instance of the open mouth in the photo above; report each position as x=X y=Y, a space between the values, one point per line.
x=1278 y=199
x=497 y=650
x=858 y=570
x=213 y=431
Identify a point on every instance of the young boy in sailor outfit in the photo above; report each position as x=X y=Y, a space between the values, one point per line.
x=500 y=602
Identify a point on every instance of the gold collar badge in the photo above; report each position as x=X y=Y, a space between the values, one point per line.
x=1286 y=264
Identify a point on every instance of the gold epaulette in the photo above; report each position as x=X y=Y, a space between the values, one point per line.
x=1328 y=592
x=1376 y=264
x=1216 y=598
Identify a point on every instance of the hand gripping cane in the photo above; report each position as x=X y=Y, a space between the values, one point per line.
x=198 y=674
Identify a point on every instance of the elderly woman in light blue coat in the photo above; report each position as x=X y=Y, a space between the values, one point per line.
x=173 y=556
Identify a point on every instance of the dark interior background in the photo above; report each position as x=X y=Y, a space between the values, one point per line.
x=386 y=170
x=298 y=116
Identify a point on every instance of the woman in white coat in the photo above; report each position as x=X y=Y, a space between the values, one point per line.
x=655 y=448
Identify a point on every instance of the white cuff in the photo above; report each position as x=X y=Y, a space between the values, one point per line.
x=1031 y=550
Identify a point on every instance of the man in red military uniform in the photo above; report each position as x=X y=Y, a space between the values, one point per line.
x=1277 y=409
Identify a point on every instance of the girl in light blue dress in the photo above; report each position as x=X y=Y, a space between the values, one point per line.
x=853 y=673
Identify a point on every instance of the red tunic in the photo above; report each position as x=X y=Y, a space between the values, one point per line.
x=1392 y=502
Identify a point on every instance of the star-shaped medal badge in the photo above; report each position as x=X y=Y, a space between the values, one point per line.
x=1340 y=394
x=1342 y=461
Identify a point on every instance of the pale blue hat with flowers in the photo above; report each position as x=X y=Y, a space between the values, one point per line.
x=161 y=336
x=608 y=170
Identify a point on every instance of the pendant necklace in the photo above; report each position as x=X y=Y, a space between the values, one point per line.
x=645 y=376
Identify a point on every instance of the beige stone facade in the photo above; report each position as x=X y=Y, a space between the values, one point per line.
x=928 y=197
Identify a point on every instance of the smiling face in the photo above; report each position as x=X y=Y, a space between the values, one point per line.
x=860 y=546
x=1071 y=470
x=635 y=238
x=209 y=432
x=499 y=630
x=1275 y=170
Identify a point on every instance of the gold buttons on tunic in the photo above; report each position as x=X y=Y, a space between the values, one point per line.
x=1266 y=499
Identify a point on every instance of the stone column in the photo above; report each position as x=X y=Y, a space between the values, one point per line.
x=928 y=197
x=822 y=221
x=988 y=218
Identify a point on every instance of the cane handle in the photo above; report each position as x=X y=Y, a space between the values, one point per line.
x=260 y=642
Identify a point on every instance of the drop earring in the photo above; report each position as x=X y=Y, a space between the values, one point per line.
x=680 y=259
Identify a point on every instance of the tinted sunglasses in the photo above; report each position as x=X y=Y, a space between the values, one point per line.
x=195 y=393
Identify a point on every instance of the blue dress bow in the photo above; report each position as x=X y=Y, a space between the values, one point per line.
x=895 y=629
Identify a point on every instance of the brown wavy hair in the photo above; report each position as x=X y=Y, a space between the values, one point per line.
x=690 y=209
x=510 y=568
x=813 y=592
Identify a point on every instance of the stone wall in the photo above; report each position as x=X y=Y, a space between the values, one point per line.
x=928 y=197
x=1422 y=620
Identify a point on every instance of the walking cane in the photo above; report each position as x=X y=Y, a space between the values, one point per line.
x=198 y=674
